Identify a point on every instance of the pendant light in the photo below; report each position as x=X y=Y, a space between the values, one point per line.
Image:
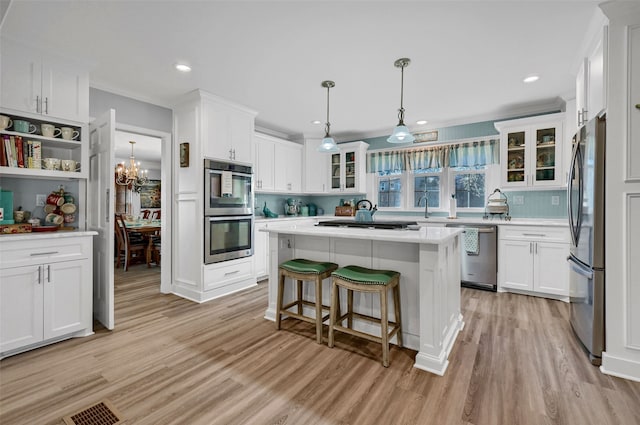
x=401 y=133
x=328 y=144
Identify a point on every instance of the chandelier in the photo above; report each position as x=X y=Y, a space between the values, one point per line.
x=131 y=174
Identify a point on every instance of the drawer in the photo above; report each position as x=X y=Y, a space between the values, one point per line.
x=227 y=272
x=28 y=252
x=533 y=233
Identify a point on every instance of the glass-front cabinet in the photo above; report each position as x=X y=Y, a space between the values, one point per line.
x=348 y=168
x=531 y=154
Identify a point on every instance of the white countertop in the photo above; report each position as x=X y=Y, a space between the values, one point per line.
x=46 y=235
x=435 y=220
x=426 y=234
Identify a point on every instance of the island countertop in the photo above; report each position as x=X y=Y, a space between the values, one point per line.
x=425 y=234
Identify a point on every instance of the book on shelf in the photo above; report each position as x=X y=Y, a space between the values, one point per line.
x=14 y=152
x=19 y=152
x=36 y=149
x=3 y=154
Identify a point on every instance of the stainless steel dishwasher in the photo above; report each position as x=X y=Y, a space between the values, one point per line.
x=480 y=270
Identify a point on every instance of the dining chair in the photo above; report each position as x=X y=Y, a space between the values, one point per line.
x=153 y=250
x=131 y=249
x=145 y=214
x=155 y=215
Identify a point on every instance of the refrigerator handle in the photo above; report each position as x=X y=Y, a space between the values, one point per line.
x=578 y=268
x=569 y=192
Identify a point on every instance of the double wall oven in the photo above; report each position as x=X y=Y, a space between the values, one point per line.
x=228 y=209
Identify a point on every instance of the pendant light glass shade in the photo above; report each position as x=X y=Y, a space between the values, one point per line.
x=401 y=133
x=328 y=145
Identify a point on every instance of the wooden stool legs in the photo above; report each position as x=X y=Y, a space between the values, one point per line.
x=300 y=302
x=336 y=319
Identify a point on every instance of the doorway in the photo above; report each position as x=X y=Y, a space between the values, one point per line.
x=153 y=151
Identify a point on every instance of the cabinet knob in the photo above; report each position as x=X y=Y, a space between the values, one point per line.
x=637 y=105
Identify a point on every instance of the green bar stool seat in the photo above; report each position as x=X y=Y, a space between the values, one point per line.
x=355 y=278
x=303 y=270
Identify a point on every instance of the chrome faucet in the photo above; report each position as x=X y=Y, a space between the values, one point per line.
x=426 y=203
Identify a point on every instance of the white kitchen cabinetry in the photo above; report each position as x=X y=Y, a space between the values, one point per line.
x=534 y=260
x=51 y=147
x=46 y=291
x=261 y=252
x=278 y=165
x=207 y=123
x=531 y=152
x=348 y=168
x=591 y=80
x=228 y=130
x=316 y=168
x=37 y=82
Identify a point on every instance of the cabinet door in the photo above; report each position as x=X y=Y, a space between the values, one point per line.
x=514 y=152
x=336 y=172
x=65 y=91
x=293 y=153
x=516 y=264
x=241 y=133
x=550 y=268
x=350 y=160
x=64 y=304
x=596 y=98
x=21 y=78
x=21 y=301
x=546 y=155
x=316 y=168
x=581 y=93
x=216 y=138
x=265 y=166
x=261 y=251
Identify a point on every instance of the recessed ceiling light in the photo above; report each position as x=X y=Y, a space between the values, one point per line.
x=182 y=67
x=316 y=122
x=422 y=122
x=530 y=79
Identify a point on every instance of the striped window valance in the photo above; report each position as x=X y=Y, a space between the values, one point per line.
x=466 y=154
x=473 y=154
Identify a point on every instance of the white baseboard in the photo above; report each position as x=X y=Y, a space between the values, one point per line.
x=619 y=367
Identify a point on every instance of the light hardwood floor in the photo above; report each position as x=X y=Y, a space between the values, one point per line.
x=171 y=361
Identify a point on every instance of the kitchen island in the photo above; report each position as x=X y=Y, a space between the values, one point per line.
x=428 y=260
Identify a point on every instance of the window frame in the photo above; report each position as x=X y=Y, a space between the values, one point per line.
x=454 y=171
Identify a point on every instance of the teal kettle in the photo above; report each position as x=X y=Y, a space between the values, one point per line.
x=365 y=211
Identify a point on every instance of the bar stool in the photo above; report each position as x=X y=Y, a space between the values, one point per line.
x=354 y=278
x=302 y=270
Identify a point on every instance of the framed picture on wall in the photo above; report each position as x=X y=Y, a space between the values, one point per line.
x=427 y=136
x=150 y=195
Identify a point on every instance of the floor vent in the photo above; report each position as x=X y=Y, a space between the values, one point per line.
x=102 y=413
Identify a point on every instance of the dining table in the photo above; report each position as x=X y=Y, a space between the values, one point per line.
x=147 y=228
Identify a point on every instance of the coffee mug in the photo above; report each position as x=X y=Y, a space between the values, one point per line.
x=50 y=130
x=5 y=122
x=18 y=216
x=69 y=218
x=54 y=219
x=51 y=163
x=69 y=133
x=24 y=127
x=55 y=199
x=70 y=165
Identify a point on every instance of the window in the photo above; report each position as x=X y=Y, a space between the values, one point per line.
x=390 y=189
x=469 y=186
x=427 y=183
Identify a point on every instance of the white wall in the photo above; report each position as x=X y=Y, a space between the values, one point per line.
x=622 y=246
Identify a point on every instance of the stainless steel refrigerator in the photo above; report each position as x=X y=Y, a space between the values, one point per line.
x=585 y=196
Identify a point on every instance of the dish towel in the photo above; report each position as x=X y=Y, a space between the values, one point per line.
x=471 y=244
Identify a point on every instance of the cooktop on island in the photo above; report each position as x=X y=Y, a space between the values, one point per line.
x=369 y=224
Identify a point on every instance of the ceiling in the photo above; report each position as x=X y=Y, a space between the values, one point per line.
x=468 y=59
x=147 y=149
